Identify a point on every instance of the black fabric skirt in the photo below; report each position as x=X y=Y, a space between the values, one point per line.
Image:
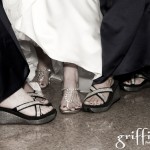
x=13 y=66
x=125 y=34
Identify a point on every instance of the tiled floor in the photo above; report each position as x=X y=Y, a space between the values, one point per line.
x=84 y=131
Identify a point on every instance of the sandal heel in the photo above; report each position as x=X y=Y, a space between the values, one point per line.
x=117 y=94
x=7 y=118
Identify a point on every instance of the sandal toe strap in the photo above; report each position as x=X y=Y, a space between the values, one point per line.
x=27 y=105
x=98 y=92
x=140 y=76
x=36 y=104
x=133 y=79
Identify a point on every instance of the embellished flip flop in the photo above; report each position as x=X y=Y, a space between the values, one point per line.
x=41 y=77
x=14 y=116
x=136 y=87
x=69 y=100
x=114 y=96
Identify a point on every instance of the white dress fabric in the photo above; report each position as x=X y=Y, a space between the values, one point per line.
x=67 y=30
x=13 y=11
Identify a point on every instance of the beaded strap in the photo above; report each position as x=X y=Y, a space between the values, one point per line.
x=68 y=92
x=45 y=70
x=70 y=89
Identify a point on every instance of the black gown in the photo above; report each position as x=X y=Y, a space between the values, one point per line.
x=125 y=34
x=13 y=66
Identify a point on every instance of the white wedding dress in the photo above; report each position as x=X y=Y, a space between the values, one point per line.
x=67 y=30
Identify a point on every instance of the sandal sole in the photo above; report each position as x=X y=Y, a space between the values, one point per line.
x=8 y=118
x=70 y=112
x=135 y=89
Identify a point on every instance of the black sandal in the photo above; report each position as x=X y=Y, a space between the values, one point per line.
x=136 y=87
x=14 y=116
x=113 y=97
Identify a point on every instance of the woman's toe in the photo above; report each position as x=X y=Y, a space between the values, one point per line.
x=44 y=101
x=73 y=109
x=92 y=102
x=46 y=109
x=43 y=85
x=78 y=106
x=99 y=102
x=87 y=102
x=63 y=108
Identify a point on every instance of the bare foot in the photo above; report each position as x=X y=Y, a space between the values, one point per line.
x=95 y=100
x=70 y=100
x=20 y=97
x=136 y=80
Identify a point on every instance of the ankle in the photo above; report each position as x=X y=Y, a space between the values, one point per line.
x=16 y=99
x=70 y=83
x=28 y=88
x=108 y=83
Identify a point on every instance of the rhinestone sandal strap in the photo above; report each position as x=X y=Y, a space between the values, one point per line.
x=70 y=89
x=69 y=92
x=45 y=70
